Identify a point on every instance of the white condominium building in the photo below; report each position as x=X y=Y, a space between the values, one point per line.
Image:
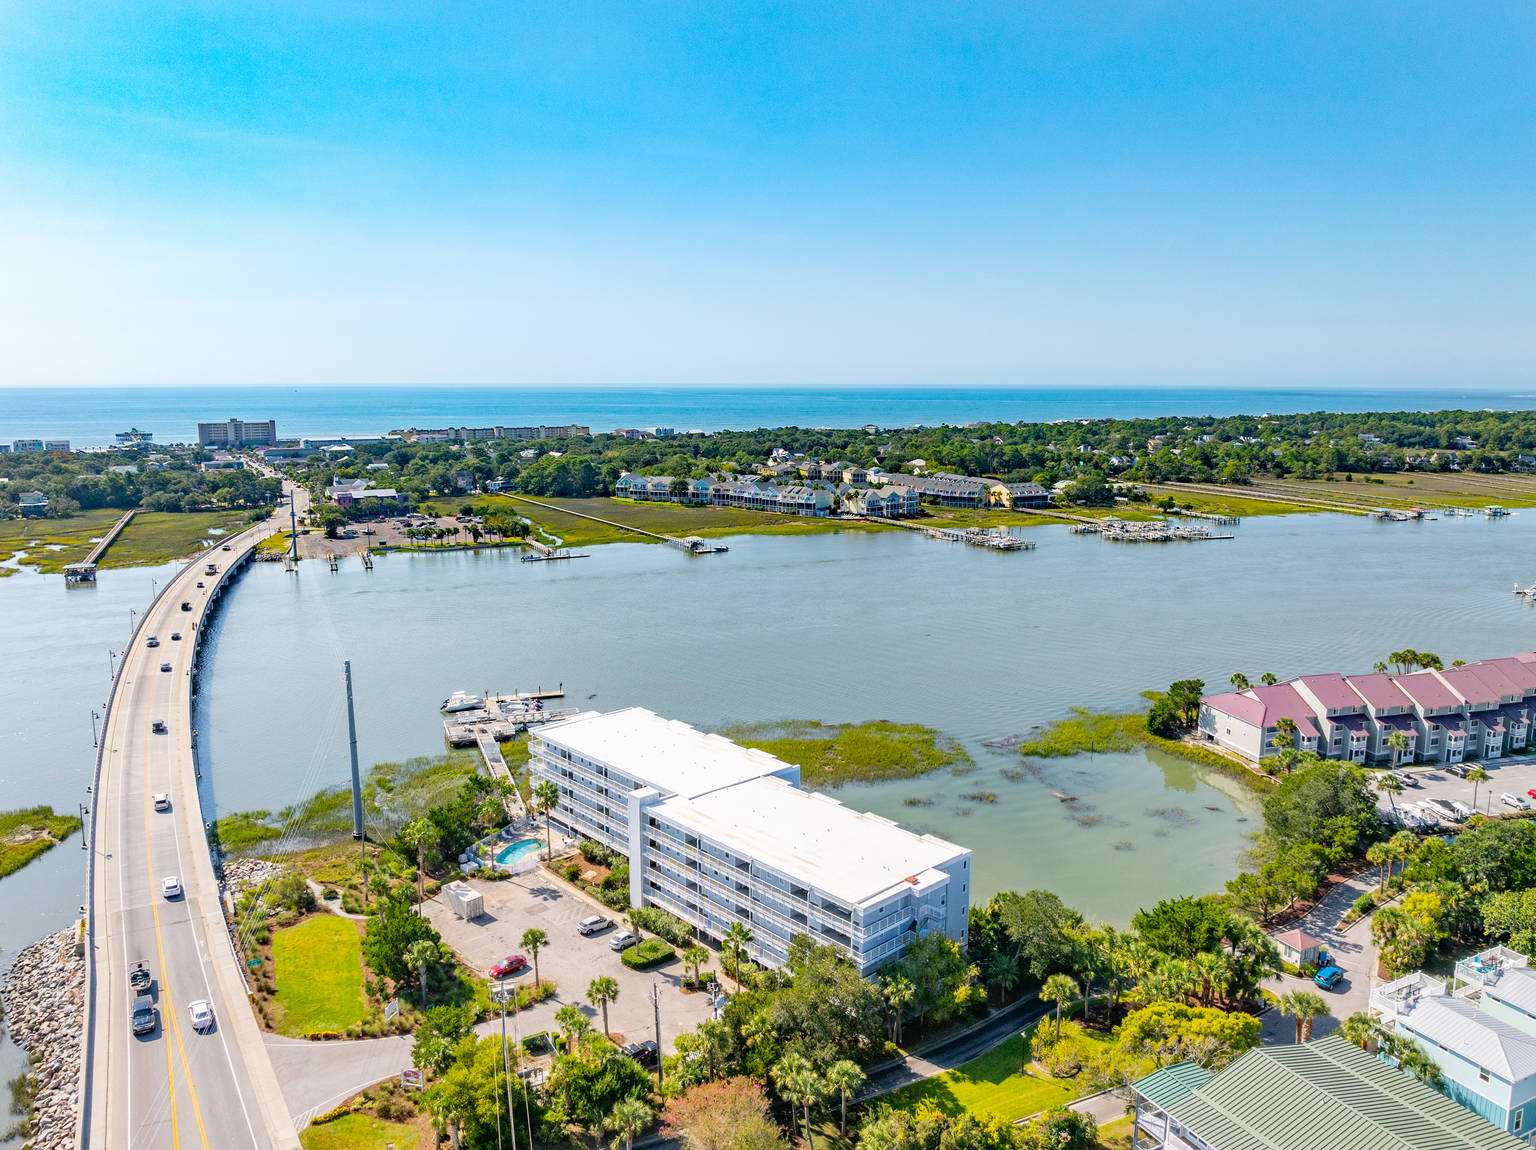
x=718 y=833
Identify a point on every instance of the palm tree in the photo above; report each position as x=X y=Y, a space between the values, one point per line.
x=1476 y=776
x=1359 y=1028
x=1003 y=973
x=1411 y=1059
x=533 y=941
x=421 y=954
x=546 y=797
x=1059 y=988
x=600 y=992
x=1379 y=855
x=416 y=835
x=737 y=937
x=1379 y=667
x=1403 y=844
x=1303 y=1006
x=1239 y=681
x=630 y=1116
x=1390 y=786
x=899 y=992
x=573 y=1024
x=798 y=1081
x=1399 y=742
x=694 y=958
x=845 y=1077
x=1211 y=968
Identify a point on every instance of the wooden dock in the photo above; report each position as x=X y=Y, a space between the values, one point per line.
x=85 y=570
x=692 y=545
x=993 y=538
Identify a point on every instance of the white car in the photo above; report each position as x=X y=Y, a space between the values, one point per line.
x=202 y=1014
x=170 y=886
x=1515 y=801
x=162 y=802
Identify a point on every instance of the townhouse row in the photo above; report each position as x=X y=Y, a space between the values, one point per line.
x=717 y=833
x=1476 y=711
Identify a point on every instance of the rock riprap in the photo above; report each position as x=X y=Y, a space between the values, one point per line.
x=44 y=997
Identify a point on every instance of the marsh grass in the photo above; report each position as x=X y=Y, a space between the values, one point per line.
x=27 y=833
x=830 y=754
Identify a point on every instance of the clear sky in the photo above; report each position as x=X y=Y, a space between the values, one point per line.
x=1016 y=193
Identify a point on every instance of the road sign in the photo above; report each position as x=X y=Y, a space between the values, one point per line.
x=253 y=962
x=410 y=1077
x=391 y=1008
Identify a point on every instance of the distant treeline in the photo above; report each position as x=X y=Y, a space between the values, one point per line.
x=74 y=482
x=1228 y=449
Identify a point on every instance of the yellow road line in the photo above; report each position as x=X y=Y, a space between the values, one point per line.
x=169 y=1010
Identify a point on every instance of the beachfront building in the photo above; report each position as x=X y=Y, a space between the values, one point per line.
x=1326 y=1094
x=1482 y=1035
x=785 y=499
x=717 y=833
x=889 y=502
x=1478 y=710
x=238 y=433
x=1020 y=496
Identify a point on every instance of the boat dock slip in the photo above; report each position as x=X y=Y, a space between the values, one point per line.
x=1208 y=516
x=994 y=538
x=1125 y=531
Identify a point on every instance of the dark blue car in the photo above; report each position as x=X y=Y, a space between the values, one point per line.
x=1328 y=977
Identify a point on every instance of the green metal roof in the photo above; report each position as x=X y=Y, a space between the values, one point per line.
x=1164 y=1087
x=1327 y=1093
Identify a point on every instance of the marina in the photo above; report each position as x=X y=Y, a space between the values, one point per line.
x=992 y=538
x=1152 y=531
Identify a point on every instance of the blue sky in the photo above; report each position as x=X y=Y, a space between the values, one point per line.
x=1132 y=193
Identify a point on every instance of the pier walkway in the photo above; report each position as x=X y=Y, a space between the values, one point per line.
x=692 y=545
x=85 y=570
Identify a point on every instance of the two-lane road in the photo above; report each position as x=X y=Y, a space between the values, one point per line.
x=177 y=1086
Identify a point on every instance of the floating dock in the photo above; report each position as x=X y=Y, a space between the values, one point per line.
x=85 y=570
x=992 y=538
x=1127 y=531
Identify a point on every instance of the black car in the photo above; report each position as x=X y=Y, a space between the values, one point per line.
x=145 y=1017
x=645 y=1053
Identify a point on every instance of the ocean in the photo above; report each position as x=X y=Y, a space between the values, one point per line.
x=91 y=417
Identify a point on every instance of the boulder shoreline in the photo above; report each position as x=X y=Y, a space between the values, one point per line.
x=44 y=999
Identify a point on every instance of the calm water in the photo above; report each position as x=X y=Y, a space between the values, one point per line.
x=92 y=416
x=836 y=627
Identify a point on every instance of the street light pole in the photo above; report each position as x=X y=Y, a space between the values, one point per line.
x=656 y=1009
x=95 y=738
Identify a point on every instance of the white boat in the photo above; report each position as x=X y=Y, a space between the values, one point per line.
x=461 y=701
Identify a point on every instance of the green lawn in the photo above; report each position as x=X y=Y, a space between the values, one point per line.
x=360 y=1132
x=160 y=536
x=991 y=1085
x=25 y=834
x=663 y=519
x=319 y=971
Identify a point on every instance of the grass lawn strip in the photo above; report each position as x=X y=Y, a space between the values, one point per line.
x=992 y=1085
x=361 y=1132
x=25 y=834
x=829 y=754
x=155 y=537
x=319 y=971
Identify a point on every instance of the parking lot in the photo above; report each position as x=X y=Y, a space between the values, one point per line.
x=569 y=960
x=1516 y=774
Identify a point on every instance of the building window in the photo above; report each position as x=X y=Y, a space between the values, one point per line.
x=1482 y=1075
x=1519 y=1119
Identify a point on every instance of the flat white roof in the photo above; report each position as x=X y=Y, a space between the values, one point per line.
x=857 y=858
x=666 y=754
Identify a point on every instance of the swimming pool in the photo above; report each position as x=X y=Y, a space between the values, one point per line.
x=518 y=851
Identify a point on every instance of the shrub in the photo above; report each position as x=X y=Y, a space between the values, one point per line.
x=1364 y=903
x=614 y=899
x=618 y=878
x=331 y=1115
x=651 y=952
x=595 y=852
x=395 y=1109
x=668 y=926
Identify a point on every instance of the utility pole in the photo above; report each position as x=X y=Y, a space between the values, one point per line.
x=357 y=785
x=656 y=1009
x=505 y=1073
x=293 y=525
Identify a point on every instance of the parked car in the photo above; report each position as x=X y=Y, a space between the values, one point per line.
x=594 y=925
x=201 y=1012
x=1328 y=977
x=512 y=964
x=170 y=886
x=1512 y=800
x=645 y=1053
x=623 y=939
x=1408 y=780
x=162 y=801
x=1457 y=769
x=1531 y=793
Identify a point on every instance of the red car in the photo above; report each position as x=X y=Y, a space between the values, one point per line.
x=1532 y=792
x=512 y=964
